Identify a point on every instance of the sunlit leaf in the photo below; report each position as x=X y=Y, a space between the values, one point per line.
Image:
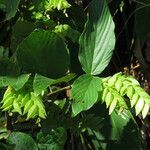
x=16 y=82
x=98 y=39
x=85 y=93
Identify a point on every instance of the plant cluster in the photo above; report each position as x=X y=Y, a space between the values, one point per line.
x=54 y=82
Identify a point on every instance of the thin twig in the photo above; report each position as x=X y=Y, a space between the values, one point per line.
x=59 y=90
x=139 y=2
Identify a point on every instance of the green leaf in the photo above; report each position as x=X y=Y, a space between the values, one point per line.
x=8 y=102
x=54 y=140
x=98 y=39
x=145 y=110
x=41 y=83
x=65 y=31
x=17 y=107
x=119 y=132
x=85 y=93
x=66 y=78
x=21 y=141
x=32 y=112
x=130 y=92
x=139 y=106
x=112 y=106
x=59 y=4
x=19 y=32
x=28 y=105
x=16 y=82
x=44 y=52
x=2 y=5
x=108 y=99
x=7 y=67
x=11 y=8
x=4 y=52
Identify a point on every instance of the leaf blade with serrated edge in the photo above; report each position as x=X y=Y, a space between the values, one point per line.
x=98 y=39
x=85 y=93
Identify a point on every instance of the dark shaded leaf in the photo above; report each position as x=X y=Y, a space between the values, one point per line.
x=44 y=52
x=21 y=141
x=54 y=140
x=11 y=8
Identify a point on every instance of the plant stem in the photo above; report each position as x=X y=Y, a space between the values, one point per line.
x=59 y=90
x=9 y=123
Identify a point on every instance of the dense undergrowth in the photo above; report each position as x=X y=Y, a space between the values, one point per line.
x=74 y=74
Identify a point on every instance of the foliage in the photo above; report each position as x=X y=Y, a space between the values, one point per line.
x=56 y=88
x=119 y=85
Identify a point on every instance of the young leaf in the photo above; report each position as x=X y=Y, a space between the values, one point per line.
x=105 y=91
x=8 y=102
x=17 y=107
x=7 y=108
x=130 y=92
x=108 y=99
x=139 y=106
x=28 y=106
x=32 y=112
x=118 y=84
x=98 y=39
x=112 y=105
x=145 y=110
x=40 y=106
x=25 y=99
x=85 y=93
